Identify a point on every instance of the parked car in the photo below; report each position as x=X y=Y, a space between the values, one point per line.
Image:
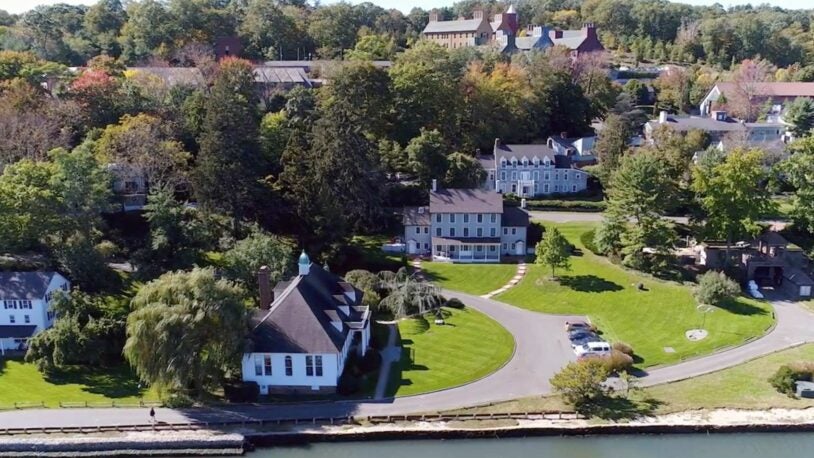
x=578 y=338
x=591 y=349
x=577 y=326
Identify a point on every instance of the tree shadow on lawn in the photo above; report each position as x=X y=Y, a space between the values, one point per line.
x=620 y=408
x=589 y=284
x=113 y=382
x=740 y=307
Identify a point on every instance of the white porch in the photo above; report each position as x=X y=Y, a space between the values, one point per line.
x=466 y=250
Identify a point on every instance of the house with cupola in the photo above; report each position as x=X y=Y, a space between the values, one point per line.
x=25 y=306
x=304 y=331
x=532 y=170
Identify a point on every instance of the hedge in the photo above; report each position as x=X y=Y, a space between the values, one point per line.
x=571 y=205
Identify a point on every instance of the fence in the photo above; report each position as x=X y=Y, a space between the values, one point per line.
x=540 y=415
x=84 y=404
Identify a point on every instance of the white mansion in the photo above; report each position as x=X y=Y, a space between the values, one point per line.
x=25 y=300
x=532 y=170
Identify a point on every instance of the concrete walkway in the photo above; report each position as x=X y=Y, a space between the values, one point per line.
x=391 y=354
x=521 y=272
x=542 y=348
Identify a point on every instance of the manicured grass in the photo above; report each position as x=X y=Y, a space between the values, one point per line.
x=468 y=347
x=469 y=278
x=23 y=383
x=647 y=320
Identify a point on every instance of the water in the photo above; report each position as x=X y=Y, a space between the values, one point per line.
x=765 y=445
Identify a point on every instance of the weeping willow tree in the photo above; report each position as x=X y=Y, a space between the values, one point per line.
x=186 y=331
x=408 y=295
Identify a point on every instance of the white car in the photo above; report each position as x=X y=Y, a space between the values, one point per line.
x=593 y=349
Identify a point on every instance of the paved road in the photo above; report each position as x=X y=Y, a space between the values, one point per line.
x=541 y=349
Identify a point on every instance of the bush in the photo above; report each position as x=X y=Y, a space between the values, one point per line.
x=455 y=303
x=581 y=382
x=177 y=401
x=715 y=287
x=348 y=384
x=107 y=249
x=618 y=362
x=571 y=205
x=242 y=391
x=370 y=362
x=587 y=239
x=623 y=348
x=783 y=380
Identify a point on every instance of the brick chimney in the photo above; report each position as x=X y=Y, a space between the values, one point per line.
x=264 y=284
x=589 y=30
x=556 y=33
x=477 y=14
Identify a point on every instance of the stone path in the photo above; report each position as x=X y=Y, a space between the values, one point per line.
x=391 y=354
x=521 y=272
x=416 y=264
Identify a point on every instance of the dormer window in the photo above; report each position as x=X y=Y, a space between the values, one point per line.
x=547 y=161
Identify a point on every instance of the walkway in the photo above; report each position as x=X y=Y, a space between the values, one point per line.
x=541 y=350
x=521 y=272
x=391 y=354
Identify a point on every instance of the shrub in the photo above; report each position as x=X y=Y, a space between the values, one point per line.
x=715 y=287
x=623 y=348
x=618 y=361
x=107 y=249
x=455 y=303
x=587 y=239
x=348 y=384
x=783 y=380
x=177 y=401
x=581 y=382
x=573 y=205
x=370 y=362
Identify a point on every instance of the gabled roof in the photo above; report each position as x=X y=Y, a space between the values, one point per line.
x=24 y=285
x=514 y=217
x=173 y=76
x=415 y=217
x=458 y=25
x=529 y=151
x=465 y=201
x=573 y=42
x=300 y=318
x=529 y=43
x=686 y=123
x=280 y=75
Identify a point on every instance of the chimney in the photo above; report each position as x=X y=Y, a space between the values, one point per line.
x=563 y=135
x=537 y=30
x=589 y=29
x=662 y=117
x=434 y=185
x=497 y=144
x=264 y=284
x=477 y=14
x=555 y=34
x=434 y=16
x=523 y=203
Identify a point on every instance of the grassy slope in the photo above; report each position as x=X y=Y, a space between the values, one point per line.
x=22 y=382
x=470 y=346
x=469 y=278
x=648 y=320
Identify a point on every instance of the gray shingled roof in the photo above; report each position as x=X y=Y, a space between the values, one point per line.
x=458 y=25
x=412 y=216
x=514 y=217
x=24 y=285
x=276 y=75
x=487 y=162
x=518 y=151
x=173 y=76
x=299 y=320
x=686 y=123
x=528 y=43
x=16 y=332
x=465 y=201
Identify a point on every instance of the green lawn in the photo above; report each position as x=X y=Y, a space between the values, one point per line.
x=22 y=382
x=648 y=320
x=469 y=278
x=468 y=347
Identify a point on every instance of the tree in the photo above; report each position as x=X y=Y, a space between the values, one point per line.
x=333 y=28
x=743 y=101
x=230 y=166
x=186 y=331
x=580 y=383
x=800 y=114
x=611 y=144
x=407 y=296
x=732 y=195
x=715 y=288
x=799 y=171
x=243 y=261
x=463 y=171
x=268 y=33
x=373 y=47
x=149 y=30
x=427 y=154
x=553 y=251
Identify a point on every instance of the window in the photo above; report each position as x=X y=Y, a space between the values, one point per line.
x=426 y=246
x=504 y=247
x=494 y=217
x=514 y=188
x=536 y=175
x=466 y=232
x=480 y=217
x=452 y=232
x=438 y=218
x=513 y=246
x=289 y=366
x=26 y=319
x=438 y=248
x=491 y=248
x=514 y=175
x=492 y=232
x=11 y=319
x=480 y=232
x=514 y=230
x=503 y=176
x=452 y=217
x=267 y=364
x=309 y=365
x=258 y=365
x=318 y=360
x=426 y=229
x=556 y=176
x=565 y=176
x=438 y=231
x=417 y=230
x=466 y=217
x=505 y=231
x=574 y=188
x=480 y=248
x=546 y=176
x=545 y=188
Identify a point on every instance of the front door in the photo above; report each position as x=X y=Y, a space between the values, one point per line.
x=520 y=249
x=411 y=247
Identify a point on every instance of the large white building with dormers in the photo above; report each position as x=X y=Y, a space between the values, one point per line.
x=531 y=170
x=25 y=306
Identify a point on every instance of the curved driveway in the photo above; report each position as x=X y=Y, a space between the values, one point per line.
x=541 y=350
